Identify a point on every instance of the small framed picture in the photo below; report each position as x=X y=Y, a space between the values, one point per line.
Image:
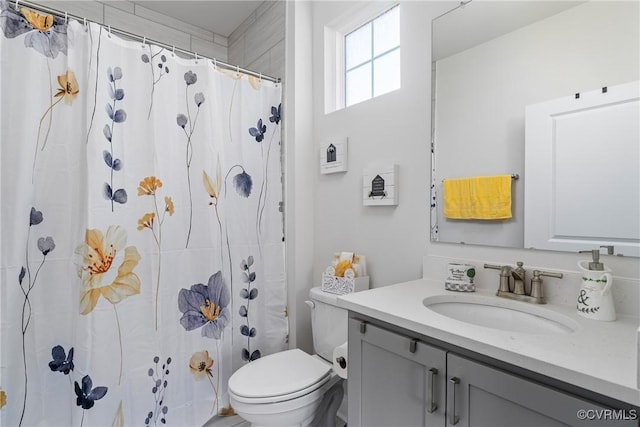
x=380 y=186
x=333 y=156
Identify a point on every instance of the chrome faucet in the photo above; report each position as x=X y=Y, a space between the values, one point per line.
x=518 y=276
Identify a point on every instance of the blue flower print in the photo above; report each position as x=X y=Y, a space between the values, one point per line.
x=206 y=306
x=61 y=362
x=199 y=98
x=86 y=395
x=47 y=34
x=160 y=66
x=258 y=131
x=188 y=127
x=115 y=115
x=243 y=183
x=46 y=245
x=190 y=78
x=115 y=74
x=35 y=217
x=275 y=114
x=248 y=294
x=181 y=119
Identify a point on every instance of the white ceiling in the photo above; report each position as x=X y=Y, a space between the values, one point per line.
x=479 y=21
x=219 y=16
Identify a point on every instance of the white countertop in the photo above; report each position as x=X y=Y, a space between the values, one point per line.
x=598 y=356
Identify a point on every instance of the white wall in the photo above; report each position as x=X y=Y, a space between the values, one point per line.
x=300 y=183
x=482 y=93
x=137 y=19
x=395 y=128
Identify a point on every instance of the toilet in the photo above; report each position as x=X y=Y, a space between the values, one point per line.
x=294 y=388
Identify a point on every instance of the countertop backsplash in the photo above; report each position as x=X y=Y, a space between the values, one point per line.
x=626 y=288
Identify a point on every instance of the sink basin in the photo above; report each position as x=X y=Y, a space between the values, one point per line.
x=496 y=313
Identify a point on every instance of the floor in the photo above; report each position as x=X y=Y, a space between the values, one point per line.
x=236 y=421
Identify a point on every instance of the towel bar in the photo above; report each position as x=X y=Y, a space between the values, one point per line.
x=514 y=176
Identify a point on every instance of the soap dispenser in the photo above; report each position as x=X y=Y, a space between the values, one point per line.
x=595 y=300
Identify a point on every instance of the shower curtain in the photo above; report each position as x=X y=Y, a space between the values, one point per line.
x=142 y=249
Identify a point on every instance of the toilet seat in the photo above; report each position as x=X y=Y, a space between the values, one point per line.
x=279 y=377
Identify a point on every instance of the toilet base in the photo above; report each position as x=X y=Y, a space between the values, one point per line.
x=318 y=409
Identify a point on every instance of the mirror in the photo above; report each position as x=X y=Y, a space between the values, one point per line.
x=491 y=60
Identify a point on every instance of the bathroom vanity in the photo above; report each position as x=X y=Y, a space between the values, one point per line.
x=410 y=365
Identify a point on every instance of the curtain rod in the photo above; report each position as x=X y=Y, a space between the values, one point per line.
x=195 y=55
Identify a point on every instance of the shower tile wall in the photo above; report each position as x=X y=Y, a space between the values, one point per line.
x=258 y=43
x=137 y=19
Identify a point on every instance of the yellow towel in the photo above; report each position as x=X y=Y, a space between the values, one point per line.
x=478 y=197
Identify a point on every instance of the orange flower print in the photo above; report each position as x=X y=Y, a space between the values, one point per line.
x=146 y=221
x=148 y=186
x=68 y=89
x=154 y=220
x=99 y=254
x=37 y=21
x=168 y=205
x=200 y=365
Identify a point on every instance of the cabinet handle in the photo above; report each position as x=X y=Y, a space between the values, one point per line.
x=363 y=327
x=433 y=405
x=451 y=401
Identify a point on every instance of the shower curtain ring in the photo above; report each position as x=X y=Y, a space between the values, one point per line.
x=17 y=4
x=173 y=51
x=144 y=41
x=85 y=22
x=66 y=17
x=238 y=70
x=196 y=54
x=215 y=64
x=109 y=30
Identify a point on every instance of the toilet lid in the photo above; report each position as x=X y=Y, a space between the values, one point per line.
x=279 y=374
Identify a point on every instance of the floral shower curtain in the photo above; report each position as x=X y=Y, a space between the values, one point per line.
x=142 y=254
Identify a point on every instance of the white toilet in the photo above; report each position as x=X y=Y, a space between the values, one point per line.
x=293 y=388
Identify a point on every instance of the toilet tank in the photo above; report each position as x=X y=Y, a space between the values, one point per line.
x=328 y=323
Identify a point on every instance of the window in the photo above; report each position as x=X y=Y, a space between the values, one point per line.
x=372 y=58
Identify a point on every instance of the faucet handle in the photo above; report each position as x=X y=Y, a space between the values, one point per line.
x=609 y=249
x=538 y=273
x=536 y=284
x=505 y=270
x=505 y=274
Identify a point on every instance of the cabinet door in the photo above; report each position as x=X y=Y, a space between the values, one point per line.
x=485 y=396
x=393 y=380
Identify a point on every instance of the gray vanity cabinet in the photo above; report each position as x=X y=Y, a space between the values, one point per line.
x=394 y=380
x=487 y=396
